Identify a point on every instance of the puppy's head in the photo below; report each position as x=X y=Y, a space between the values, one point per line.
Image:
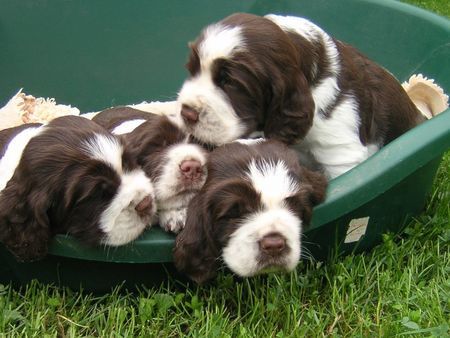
x=176 y=166
x=72 y=178
x=107 y=200
x=250 y=212
x=245 y=75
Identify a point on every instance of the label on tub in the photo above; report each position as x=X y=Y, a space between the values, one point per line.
x=356 y=229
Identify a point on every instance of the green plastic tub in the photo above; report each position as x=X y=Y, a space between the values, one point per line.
x=96 y=54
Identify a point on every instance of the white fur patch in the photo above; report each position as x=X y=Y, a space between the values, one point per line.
x=218 y=122
x=326 y=91
x=324 y=94
x=172 y=195
x=301 y=26
x=334 y=141
x=272 y=181
x=168 y=108
x=167 y=184
x=250 y=141
x=127 y=126
x=173 y=220
x=13 y=153
x=106 y=149
x=242 y=250
x=219 y=42
x=120 y=222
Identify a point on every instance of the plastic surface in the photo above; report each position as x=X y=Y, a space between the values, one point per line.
x=93 y=55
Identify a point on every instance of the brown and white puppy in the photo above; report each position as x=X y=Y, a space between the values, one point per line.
x=250 y=212
x=285 y=76
x=175 y=165
x=72 y=177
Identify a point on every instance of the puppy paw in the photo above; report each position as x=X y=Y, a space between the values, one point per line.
x=172 y=220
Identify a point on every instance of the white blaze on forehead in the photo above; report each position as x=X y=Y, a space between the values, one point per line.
x=106 y=149
x=219 y=41
x=127 y=126
x=13 y=153
x=272 y=181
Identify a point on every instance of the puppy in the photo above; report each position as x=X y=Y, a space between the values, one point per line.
x=250 y=212
x=285 y=76
x=73 y=177
x=175 y=165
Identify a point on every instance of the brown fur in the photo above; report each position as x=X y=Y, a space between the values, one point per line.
x=56 y=188
x=228 y=197
x=269 y=84
x=112 y=117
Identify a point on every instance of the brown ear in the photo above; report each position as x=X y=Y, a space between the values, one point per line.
x=314 y=185
x=193 y=63
x=312 y=192
x=24 y=225
x=94 y=182
x=291 y=112
x=195 y=253
x=318 y=185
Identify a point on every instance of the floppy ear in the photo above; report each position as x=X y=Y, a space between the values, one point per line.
x=317 y=183
x=84 y=197
x=193 y=63
x=314 y=188
x=93 y=184
x=312 y=191
x=291 y=111
x=24 y=225
x=195 y=253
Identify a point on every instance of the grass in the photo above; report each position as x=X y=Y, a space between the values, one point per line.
x=400 y=288
x=441 y=7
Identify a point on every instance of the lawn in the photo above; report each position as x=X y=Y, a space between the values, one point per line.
x=402 y=287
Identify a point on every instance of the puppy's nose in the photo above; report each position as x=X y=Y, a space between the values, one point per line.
x=272 y=244
x=191 y=169
x=145 y=206
x=190 y=115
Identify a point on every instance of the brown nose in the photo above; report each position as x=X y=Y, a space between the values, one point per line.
x=191 y=169
x=272 y=244
x=190 y=115
x=145 y=206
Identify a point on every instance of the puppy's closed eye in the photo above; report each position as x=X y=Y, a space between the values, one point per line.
x=233 y=212
x=232 y=199
x=221 y=73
